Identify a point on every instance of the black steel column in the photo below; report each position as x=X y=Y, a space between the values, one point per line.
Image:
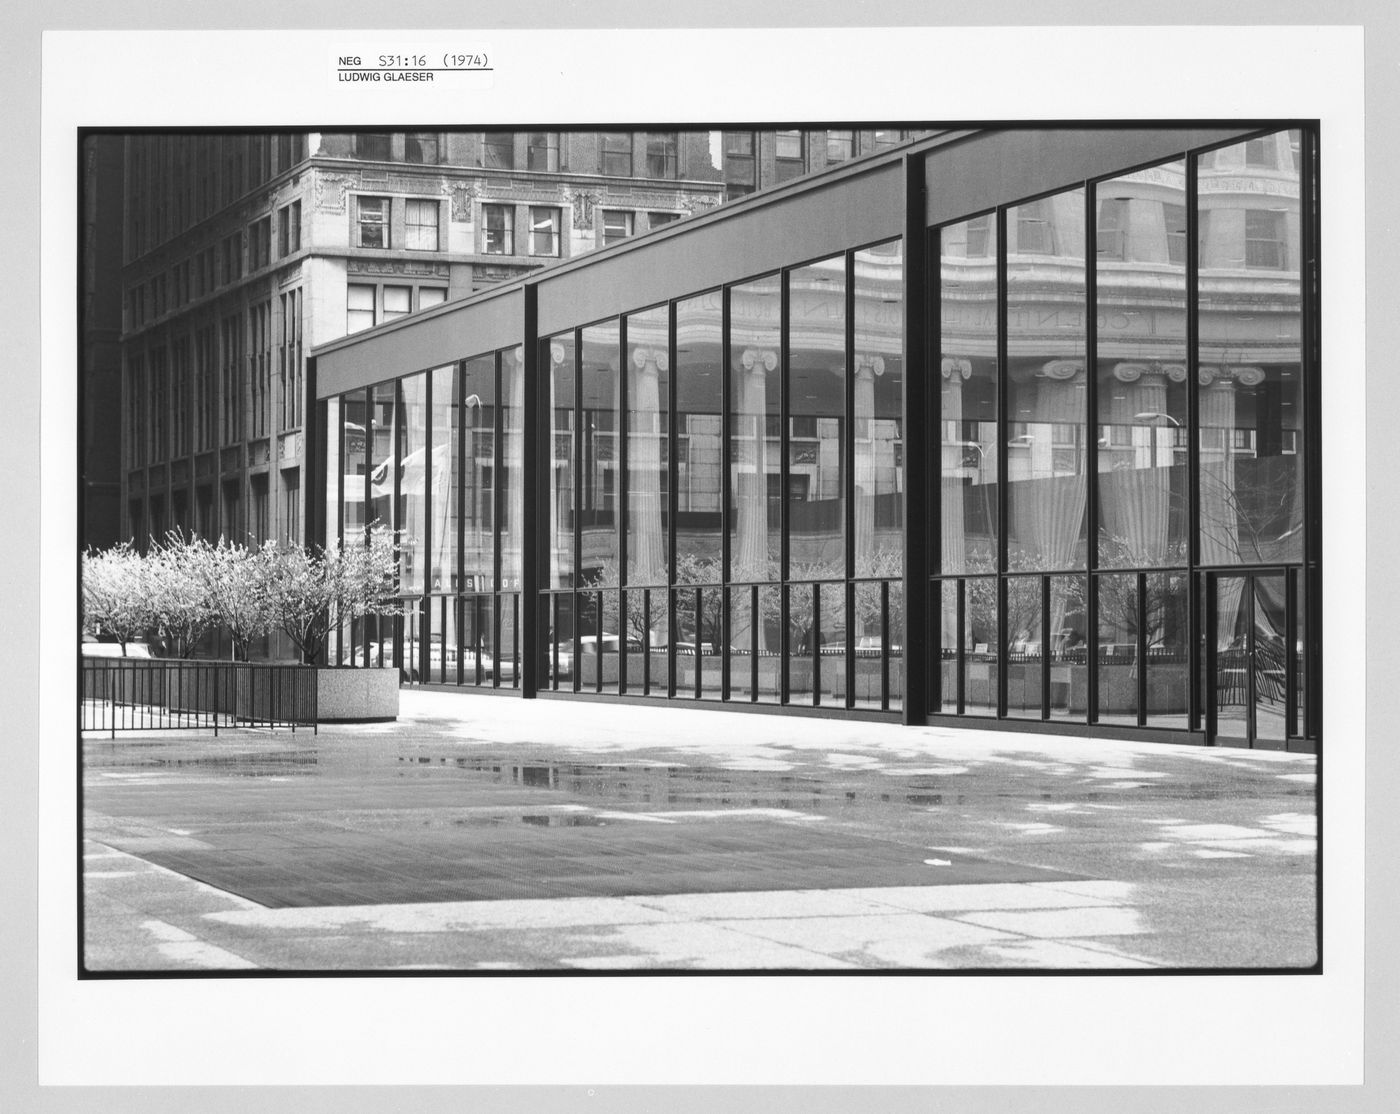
x=620 y=512
x=534 y=434
x=784 y=542
x=1196 y=584
x=1310 y=274
x=849 y=590
x=673 y=496
x=1003 y=642
x=918 y=284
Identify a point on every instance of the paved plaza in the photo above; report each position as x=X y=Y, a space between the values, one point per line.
x=482 y=834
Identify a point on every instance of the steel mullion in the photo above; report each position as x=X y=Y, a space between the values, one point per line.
x=672 y=498
x=1003 y=457
x=576 y=558
x=784 y=542
x=848 y=487
x=1142 y=649
x=1194 y=583
x=620 y=456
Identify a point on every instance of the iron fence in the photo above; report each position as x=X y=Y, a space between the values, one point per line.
x=154 y=694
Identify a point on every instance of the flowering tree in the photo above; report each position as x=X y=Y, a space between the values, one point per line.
x=117 y=594
x=316 y=591
x=179 y=571
x=240 y=583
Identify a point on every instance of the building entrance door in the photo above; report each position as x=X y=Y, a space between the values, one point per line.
x=1247 y=654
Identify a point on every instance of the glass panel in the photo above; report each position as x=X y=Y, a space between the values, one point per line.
x=687 y=659
x=1168 y=660
x=769 y=658
x=511 y=481
x=599 y=424
x=755 y=347
x=1270 y=662
x=816 y=417
x=981 y=644
x=1232 y=622
x=334 y=476
x=741 y=656
x=699 y=448
x=895 y=635
x=446 y=464
x=598 y=641
x=1251 y=398
x=878 y=514
x=708 y=643
x=968 y=369
x=1300 y=672
x=1045 y=384
x=1118 y=660
x=508 y=657
x=1142 y=391
x=803 y=599
x=1068 y=648
x=648 y=428
x=1025 y=645
x=872 y=642
x=381 y=456
x=445 y=631
x=561 y=472
x=478 y=418
x=478 y=659
x=945 y=598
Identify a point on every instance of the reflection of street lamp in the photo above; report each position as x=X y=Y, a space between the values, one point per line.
x=1150 y=418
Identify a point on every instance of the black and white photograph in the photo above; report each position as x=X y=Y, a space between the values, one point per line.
x=454 y=479
x=575 y=540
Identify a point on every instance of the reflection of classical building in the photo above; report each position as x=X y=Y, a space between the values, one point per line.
x=243 y=251
x=728 y=462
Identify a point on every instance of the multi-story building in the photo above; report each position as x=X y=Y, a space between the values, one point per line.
x=756 y=160
x=241 y=251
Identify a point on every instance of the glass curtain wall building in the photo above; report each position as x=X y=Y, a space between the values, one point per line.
x=1001 y=427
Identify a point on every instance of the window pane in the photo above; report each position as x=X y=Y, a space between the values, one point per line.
x=968 y=383
x=372 y=145
x=421 y=147
x=1068 y=646
x=816 y=408
x=617 y=226
x=431 y=296
x=1142 y=388
x=1118 y=638
x=498 y=150
x=839 y=145
x=1251 y=397
x=661 y=154
x=699 y=448
x=542 y=150
x=616 y=153
x=1025 y=628
x=446 y=461
x=412 y=467
x=1045 y=384
x=544 y=231
x=598 y=425
x=478 y=425
x=560 y=353
x=421 y=225
x=756 y=380
x=498 y=223
x=878 y=514
x=397 y=301
x=981 y=644
x=648 y=426
x=512 y=428
x=359 y=307
x=374 y=222
x=1168 y=659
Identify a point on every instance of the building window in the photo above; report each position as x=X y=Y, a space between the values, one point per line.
x=887 y=138
x=544 y=231
x=289 y=359
x=398 y=301
x=372 y=145
x=431 y=296
x=359 y=307
x=421 y=225
x=498 y=229
x=1112 y=228
x=374 y=222
x=1263 y=239
x=840 y=145
x=233 y=258
x=289 y=229
x=498 y=150
x=542 y=151
x=422 y=147
x=789 y=154
x=616 y=153
x=1261 y=152
x=617 y=226
x=1033 y=228
x=739 y=167
x=1174 y=217
x=979 y=237
x=656 y=220
x=661 y=154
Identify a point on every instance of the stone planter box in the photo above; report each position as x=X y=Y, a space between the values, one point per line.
x=345 y=695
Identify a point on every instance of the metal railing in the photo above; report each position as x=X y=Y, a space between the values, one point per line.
x=156 y=694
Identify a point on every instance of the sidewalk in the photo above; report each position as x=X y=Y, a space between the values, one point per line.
x=483 y=833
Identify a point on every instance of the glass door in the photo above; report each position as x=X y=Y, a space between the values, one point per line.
x=1248 y=657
